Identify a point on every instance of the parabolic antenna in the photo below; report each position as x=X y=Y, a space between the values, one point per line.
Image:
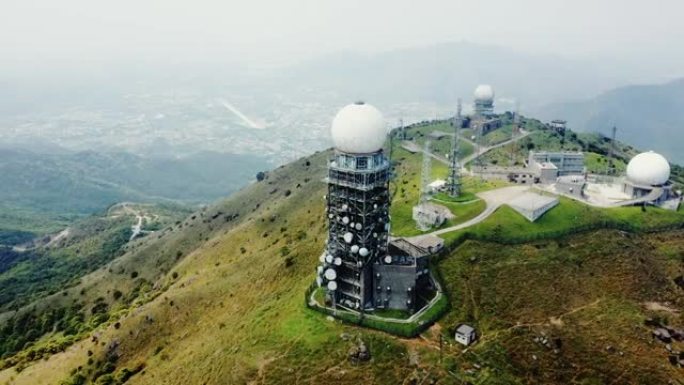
x=330 y=275
x=332 y=285
x=338 y=261
x=329 y=258
x=363 y=252
x=319 y=281
x=348 y=237
x=355 y=249
x=358 y=226
x=345 y=220
x=321 y=258
x=388 y=259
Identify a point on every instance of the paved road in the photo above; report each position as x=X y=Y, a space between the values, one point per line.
x=485 y=150
x=411 y=146
x=494 y=199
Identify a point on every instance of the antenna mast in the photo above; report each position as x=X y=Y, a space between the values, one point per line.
x=425 y=173
x=454 y=182
x=611 y=154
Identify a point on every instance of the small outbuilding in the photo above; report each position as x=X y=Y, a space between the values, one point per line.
x=465 y=335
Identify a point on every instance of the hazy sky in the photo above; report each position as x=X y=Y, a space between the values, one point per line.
x=45 y=33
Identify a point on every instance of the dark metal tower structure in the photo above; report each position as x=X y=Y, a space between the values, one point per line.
x=358 y=225
x=611 y=153
x=454 y=181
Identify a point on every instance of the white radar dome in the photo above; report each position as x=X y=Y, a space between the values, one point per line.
x=648 y=168
x=484 y=92
x=359 y=128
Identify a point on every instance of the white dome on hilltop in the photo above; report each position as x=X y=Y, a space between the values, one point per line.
x=359 y=128
x=648 y=168
x=484 y=93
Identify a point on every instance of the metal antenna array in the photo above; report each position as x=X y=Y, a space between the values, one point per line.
x=515 y=131
x=611 y=154
x=425 y=173
x=454 y=181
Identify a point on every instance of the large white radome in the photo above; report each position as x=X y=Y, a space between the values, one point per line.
x=648 y=168
x=359 y=128
x=484 y=92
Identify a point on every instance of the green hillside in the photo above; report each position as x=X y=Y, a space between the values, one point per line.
x=218 y=298
x=40 y=193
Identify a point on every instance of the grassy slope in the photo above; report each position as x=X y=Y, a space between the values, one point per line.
x=238 y=317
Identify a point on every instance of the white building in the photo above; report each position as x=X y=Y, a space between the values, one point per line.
x=551 y=165
x=465 y=334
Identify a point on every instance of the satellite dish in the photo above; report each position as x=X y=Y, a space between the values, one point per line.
x=375 y=235
x=375 y=206
x=319 y=281
x=364 y=252
x=319 y=269
x=358 y=226
x=358 y=305
x=348 y=237
x=332 y=285
x=344 y=207
x=330 y=275
x=345 y=220
x=351 y=224
x=388 y=259
x=338 y=261
x=321 y=258
x=355 y=249
x=387 y=226
x=330 y=216
x=329 y=258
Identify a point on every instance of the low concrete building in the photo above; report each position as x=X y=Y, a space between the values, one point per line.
x=558 y=126
x=436 y=185
x=465 y=335
x=482 y=125
x=402 y=278
x=566 y=162
x=428 y=215
x=532 y=205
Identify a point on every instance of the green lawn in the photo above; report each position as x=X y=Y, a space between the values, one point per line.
x=507 y=225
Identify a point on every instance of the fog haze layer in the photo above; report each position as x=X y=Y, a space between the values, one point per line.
x=43 y=36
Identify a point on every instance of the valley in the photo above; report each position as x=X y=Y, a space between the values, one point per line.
x=218 y=295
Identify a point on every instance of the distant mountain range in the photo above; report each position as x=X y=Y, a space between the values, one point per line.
x=647 y=116
x=445 y=72
x=84 y=182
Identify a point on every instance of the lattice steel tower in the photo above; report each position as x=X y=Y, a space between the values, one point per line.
x=454 y=180
x=357 y=207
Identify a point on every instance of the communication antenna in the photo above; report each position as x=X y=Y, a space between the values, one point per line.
x=515 y=131
x=425 y=172
x=454 y=182
x=611 y=153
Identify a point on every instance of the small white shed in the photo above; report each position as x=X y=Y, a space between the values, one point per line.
x=465 y=334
